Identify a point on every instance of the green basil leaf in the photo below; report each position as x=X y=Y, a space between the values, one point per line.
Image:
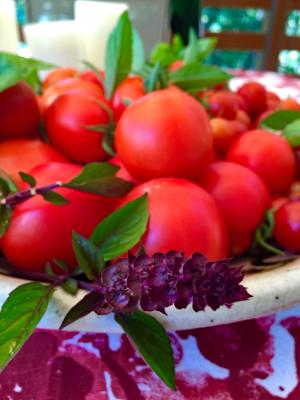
x=55 y=198
x=14 y=69
x=28 y=179
x=61 y=264
x=70 y=286
x=292 y=133
x=88 y=256
x=6 y=213
x=191 y=51
x=95 y=170
x=118 y=57
x=123 y=229
x=153 y=78
x=152 y=342
x=20 y=315
x=279 y=120
x=87 y=305
x=166 y=54
x=13 y=188
x=109 y=187
x=4 y=187
x=139 y=57
x=197 y=76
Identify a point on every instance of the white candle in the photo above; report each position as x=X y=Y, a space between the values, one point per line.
x=8 y=27
x=54 y=42
x=95 y=21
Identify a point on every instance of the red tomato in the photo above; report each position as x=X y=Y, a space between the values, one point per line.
x=240 y=243
x=273 y=100
x=267 y=154
x=240 y=194
x=130 y=89
x=255 y=96
x=67 y=122
x=289 y=104
x=176 y=65
x=122 y=173
x=223 y=105
x=243 y=118
x=225 y=133
x=59 y=74
x=278 y=201
x=183 y=217
x=166 y=133
x=71 y=86
x=19 y=112
x=25 y=154
x=287 y=226
x=91 y=76
x=40 y=231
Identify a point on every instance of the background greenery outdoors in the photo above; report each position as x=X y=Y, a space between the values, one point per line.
x=216 y=20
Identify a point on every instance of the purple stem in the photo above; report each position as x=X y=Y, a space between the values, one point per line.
x=20 y=197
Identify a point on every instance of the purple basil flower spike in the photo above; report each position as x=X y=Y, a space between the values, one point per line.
x=157 y=282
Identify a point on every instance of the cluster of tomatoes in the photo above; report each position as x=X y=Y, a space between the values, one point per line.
x=210 y=172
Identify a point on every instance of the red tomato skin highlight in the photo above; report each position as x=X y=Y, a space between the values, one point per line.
x=165 y=134
x=183 y=217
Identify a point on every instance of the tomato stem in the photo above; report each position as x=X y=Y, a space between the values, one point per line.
x=265 y=245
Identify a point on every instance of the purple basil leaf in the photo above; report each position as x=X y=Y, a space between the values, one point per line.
x=87 y=305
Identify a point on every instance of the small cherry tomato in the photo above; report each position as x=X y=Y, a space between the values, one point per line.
x=273 y=100
x=287 y=226
x=183 y=217
x=71 y=86
x=225 y=133
x=25 y=154
x=289 y=104
x=129 y=90
x=240 y=243
x=19 y=112
x=255 y=96
x=67 y=122
x=223 y=105
x=40 y=231
x=58 y=74
x=92 y=76
x=243 y=118
x=267 y=154
x=165 y=134
x=240 y=194
x=176 y=65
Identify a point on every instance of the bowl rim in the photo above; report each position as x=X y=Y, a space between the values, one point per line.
x=272 y=290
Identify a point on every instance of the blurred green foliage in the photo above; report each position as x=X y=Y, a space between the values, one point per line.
x=251 y=20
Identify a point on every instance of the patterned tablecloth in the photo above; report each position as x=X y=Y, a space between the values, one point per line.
x=251 y=360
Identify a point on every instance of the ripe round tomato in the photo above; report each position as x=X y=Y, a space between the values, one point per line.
x=243 y=118
x=40 y=231
x=25 y=154
x=67 y=122
x=59 y=74
x=91 y=76
x=255 y=96
x=19 y=112
x=165 y=134
x=240 y=194
x=225 y=133
x=287 y=226
x=183 y=217
x=130 y=89
x=273 y=100
x=71 y=86
x=176 y=65
x=240 y=243
x=289 y=104
x=267 y=154
x=223 y=105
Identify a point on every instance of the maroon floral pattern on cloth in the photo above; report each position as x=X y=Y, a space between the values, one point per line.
x=251 y=360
